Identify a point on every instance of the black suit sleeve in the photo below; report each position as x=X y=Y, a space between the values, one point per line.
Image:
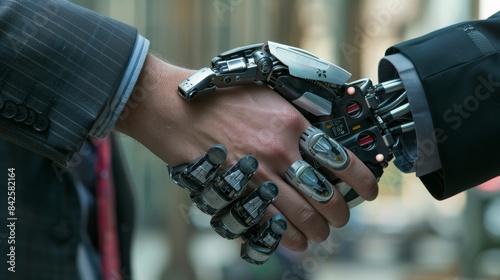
x=459 y=67
x=59 y=65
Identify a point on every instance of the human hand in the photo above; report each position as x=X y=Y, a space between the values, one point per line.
x=250 y=120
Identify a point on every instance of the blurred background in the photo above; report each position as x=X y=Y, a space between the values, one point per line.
x=404 y=234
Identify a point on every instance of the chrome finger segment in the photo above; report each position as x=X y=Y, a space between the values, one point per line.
x=307 y=179
x=196 y=176
x=234 y=220
x=323 y=148
x=200 y=82
x=226 y=187
x=264 y=240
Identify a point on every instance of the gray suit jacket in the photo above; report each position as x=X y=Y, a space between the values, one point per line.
x=60 y=67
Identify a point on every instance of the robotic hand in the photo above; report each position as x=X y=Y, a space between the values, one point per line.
x=367 y=119
x=221 y=195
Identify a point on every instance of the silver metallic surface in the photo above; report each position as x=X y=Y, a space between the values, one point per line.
x=323 y=148
x=198 y=174
x=197 y=83
x=201 y=172
x=314 y=104
x=232 y=222
x=226 y=187
x=392 y=85
x=367 y=119
x=305 y=65
x=236 y=64
x=307 y=179
x=264 y=242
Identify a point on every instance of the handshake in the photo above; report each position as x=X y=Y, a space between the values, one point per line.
x=366 y=119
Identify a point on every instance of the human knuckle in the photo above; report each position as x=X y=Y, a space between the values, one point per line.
x=295 y=241
x=307 y=216
x=293 y=117
x=332 y=206
x=275 y=147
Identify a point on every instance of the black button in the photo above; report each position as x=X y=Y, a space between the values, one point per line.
x=2 y=101
x=31 y=118
x=62 y=231
x=9 y=110
x=22 y=113
x=42 y=123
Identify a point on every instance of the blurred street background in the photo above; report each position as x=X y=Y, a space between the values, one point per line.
x=404 y=234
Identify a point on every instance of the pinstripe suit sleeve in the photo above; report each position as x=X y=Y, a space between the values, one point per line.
x=65 y=73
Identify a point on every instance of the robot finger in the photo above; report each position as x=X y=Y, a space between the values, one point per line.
x=265 y=240
x=195 y=176
x=226 y=187
x=323 y=149
x=304 y=177
x=320 y=149
x=236 y=219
